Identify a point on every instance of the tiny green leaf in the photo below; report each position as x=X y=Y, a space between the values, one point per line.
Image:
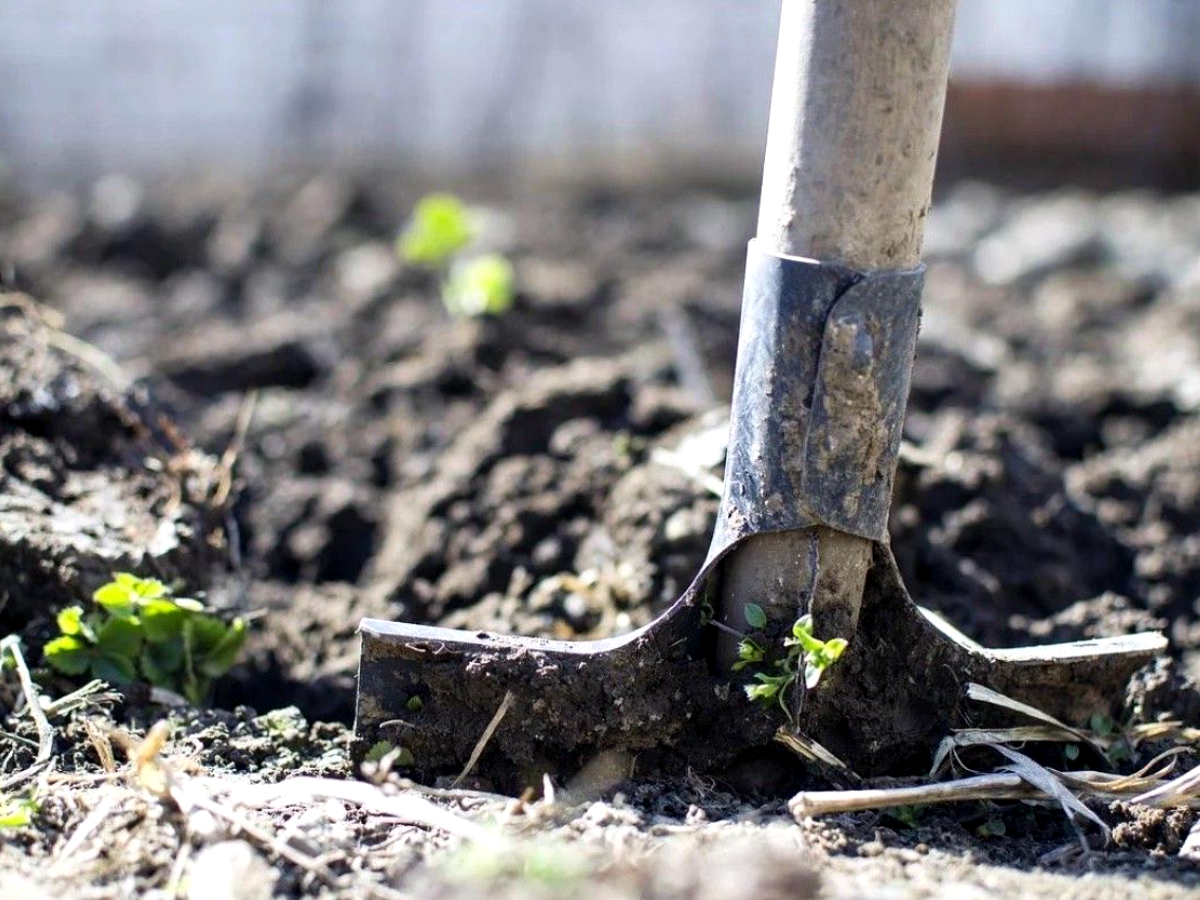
x=1071 y=752
x=378 y=751
x=415 y=703
x=802 y=634
x=223 y=655
x=755 y=617
x=162 y=620
x=748 y=654
x=114 y=669
x=907 y=815
x=17 y=812
x=834 y=648
x=147 y=588
x=71 y=621
x=120 y=637
x=761 y=692
x=68 y=654
x=142 y=632
x=479 y=286
x=991 y=828
x=439 y=227
x=205 y=633
x=116 y=598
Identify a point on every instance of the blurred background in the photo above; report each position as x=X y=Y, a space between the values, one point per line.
x=1100 y=91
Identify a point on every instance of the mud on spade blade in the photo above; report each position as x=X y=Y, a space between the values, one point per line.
x=824 y=360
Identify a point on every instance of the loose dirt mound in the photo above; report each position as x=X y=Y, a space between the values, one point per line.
x=89 y=483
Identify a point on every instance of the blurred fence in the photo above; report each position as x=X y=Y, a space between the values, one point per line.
x=459 y=85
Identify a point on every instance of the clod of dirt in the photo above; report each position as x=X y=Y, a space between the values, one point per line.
x=88 y=484
x=547 y=483
x=234 y=358
x=984 y=528
x=1149 y=494
x=274 y=745
x=1160 y=831
x=1162 y=691
x=1109 y=615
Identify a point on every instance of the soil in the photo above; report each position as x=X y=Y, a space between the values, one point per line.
x=509 y=474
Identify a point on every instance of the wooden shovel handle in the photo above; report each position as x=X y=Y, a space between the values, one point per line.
x=856 y=112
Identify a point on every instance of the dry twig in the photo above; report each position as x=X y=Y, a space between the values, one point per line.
x=1018 y=783
x=304 y=790
x=229 y=458
x=33 y=702
x=91 y=822
x=1181 y=791
x=497 y=718
x=997 y=786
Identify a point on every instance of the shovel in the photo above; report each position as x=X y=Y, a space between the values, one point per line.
x=830 y=313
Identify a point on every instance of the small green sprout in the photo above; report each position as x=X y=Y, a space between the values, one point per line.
x=17 y=812
x=991 y=828
x=803 y=654
x=415 y=703
x=818 y=655
x=749 y=653
x=480 y=286
x=440 y=229
x=381 y=750
x=141 y=631
x=378 y=751
x=440 y=226
x=908 y=815
x=628 y=446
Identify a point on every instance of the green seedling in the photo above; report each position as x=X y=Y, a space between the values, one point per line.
x=1118 y=747
x=749 y=653
x=381 y=750
x=17 y=812
x=140 y=631
x=991 y=828
x=755 y=616
x=908 y=816
x=440 y=227
x=480 y=286
x=804 y=654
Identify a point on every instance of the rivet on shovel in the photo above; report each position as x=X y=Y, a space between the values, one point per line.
x=828 y=332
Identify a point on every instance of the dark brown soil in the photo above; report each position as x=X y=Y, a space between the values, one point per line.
x=505 y=474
